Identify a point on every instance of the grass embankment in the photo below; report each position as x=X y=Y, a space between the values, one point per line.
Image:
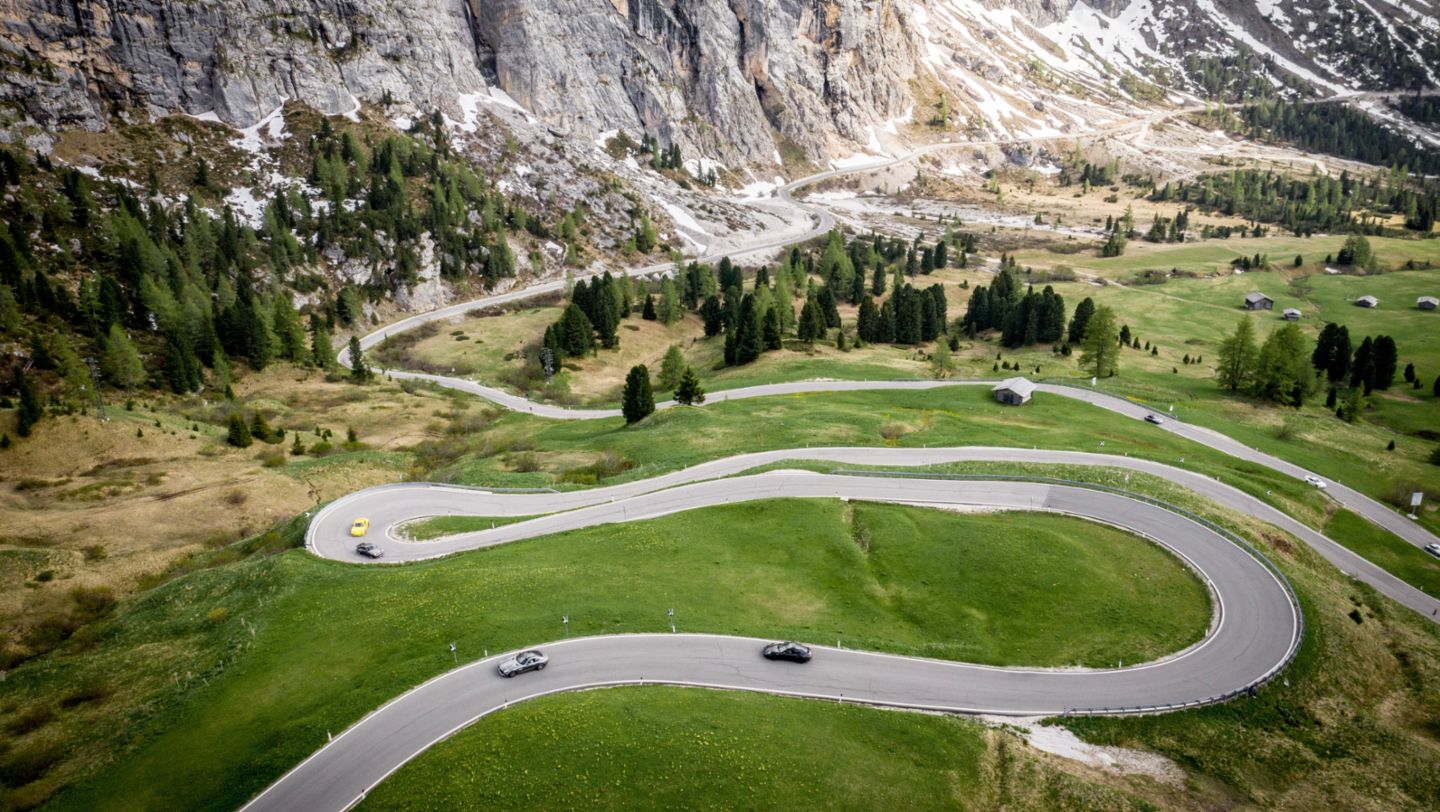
x=252 y=664
x=1400 y=558
x=437 y=526
x=675 y=748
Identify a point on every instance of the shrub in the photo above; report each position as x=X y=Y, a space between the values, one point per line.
x=95 y=552
x=45 y=576
x=92 y=602
x=217 y=615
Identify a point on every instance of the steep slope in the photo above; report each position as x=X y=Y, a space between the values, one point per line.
x=739 y=81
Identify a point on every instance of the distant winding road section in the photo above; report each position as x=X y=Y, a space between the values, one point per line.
x=1255 y=630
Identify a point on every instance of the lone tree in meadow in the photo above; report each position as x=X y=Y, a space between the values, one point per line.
x=689 y=392
x=1100 y=350
x=637 y=400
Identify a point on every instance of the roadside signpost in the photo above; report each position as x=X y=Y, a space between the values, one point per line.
x=565 y=620
x=1415 y=499
x=453 y=654
x=671 y=615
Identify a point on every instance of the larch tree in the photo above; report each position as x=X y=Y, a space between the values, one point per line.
x=1101 y=346
x=1238 y=355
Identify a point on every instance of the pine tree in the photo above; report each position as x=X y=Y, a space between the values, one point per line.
x=637 y=399
x=575 y=332
x=1238 y=355
x=30 y=411
x=771 y=329
x=297 y=448
x=648 y=311
x=749 y=334
x=1078 y=322
x=359 y=370
x=1100 y=344
x=239 y=434
x=689 y=392
x=322 y=352
x=1386 y=360
x=1362 y=368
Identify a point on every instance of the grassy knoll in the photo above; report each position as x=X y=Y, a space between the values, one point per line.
x=675 y=748
x=215 y=662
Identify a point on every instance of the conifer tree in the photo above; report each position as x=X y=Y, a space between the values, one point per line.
x=637 y=399
x=689 y=391
x=30 y=411
x=359 y=370
x=239 y=433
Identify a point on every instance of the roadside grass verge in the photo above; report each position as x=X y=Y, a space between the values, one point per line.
x=437 y=526
x=252 y=664
x=660 y=748
x=1402 y=559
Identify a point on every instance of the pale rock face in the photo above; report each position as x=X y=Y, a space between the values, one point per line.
x=738 y=81
x=731 y=79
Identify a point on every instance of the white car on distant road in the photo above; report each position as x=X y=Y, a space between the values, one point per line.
x=1316 y=481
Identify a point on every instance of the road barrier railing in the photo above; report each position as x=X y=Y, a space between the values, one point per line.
x=1248 y=689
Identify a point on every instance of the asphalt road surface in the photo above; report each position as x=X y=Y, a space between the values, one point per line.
x=1255 y=629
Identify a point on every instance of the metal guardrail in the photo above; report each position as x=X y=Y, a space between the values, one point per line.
x=1250 y=688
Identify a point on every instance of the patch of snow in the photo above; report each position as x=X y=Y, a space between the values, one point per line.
x=88 y=170
x=470 y=109
x=500 y=97
x=273 y=124
x=208 y=115
x=893 y=125
x=604 y=138
x=354 y=112
x=760 y=188
x=686 y=223
x=246 y=206
x=402 y=122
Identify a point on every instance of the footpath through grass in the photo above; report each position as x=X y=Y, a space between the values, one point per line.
x=676 y=748
x=251 y=665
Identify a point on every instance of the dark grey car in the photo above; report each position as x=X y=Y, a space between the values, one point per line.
x=794 y=652
x=369 y=550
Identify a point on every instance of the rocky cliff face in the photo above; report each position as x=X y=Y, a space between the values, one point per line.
x=734 y=77
x=736 y=80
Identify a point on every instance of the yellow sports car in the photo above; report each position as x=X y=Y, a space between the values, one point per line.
x=359 y=527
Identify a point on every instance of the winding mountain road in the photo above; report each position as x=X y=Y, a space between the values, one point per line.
x=1255 y=629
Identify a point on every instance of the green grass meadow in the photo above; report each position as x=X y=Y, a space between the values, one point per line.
x=253 y=664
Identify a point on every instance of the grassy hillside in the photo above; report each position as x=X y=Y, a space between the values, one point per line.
x=211 y=662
